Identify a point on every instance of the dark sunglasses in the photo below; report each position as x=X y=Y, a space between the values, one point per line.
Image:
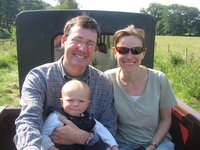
x=134 y=50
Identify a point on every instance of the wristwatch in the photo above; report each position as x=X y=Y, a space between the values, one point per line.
x=89 y=138
x=152 y=143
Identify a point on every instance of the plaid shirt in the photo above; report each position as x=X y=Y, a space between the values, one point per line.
x=42 y=90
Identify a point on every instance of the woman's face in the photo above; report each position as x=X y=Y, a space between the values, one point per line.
x=129 y=62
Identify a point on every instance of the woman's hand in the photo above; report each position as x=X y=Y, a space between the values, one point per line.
x=150 y=147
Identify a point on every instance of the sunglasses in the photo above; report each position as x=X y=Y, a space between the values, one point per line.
x=134 y=50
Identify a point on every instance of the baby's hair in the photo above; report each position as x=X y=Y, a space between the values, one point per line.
x=73 y=84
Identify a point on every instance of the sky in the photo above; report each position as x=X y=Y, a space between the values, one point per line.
x=127 y=5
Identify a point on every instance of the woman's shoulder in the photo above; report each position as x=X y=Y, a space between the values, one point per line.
x=156 y=72
x=112 y=71
x=157 y=75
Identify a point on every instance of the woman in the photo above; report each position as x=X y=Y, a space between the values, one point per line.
x=143 y=96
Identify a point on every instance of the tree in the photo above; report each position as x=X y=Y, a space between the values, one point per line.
x=191 y=18
x=174 y=19
x=9 y=10
x=32 y=5
x=66 y=4
x=156 y=10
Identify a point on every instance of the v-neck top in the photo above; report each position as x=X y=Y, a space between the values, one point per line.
x=138 y=120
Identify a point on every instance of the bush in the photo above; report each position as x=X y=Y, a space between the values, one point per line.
x=8 y=58
x=184 y=76
x=176 y=60
x=4 y=34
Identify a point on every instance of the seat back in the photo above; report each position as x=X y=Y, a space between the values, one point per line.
x=37 y=30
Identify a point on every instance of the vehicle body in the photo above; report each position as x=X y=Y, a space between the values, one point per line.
x=38 y=43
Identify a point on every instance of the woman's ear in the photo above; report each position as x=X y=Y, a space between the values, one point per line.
x=114 y=51
x=144 y=53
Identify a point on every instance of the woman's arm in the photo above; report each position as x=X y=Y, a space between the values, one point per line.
x=163 y=127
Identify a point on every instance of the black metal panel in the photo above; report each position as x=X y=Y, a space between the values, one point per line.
x=37 y=29
x=7 y=127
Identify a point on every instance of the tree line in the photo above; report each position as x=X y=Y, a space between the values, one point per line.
x=10 y=8
x=174 y=19
x=170 y=20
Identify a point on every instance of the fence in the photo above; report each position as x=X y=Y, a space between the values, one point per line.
x=7 y=42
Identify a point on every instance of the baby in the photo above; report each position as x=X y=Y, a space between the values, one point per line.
x=75 y=100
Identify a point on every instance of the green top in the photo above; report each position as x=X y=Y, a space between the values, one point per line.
x=138 y=119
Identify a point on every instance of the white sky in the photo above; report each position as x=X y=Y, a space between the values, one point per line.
x=127 y=5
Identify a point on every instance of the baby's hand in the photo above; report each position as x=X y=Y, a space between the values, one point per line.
x=115 y=147
x=53 y=148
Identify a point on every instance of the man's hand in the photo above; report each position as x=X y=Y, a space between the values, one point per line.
x=53 y=148
x=115 y=147
x=69 y=134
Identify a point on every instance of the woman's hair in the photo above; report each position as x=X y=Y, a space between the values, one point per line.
x=130 y=30
x=84 y=21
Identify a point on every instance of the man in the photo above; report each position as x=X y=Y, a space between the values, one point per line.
x=42 y=86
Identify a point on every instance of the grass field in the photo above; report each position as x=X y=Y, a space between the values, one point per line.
x=177 y=57
x=9 y=85
x=187 y=47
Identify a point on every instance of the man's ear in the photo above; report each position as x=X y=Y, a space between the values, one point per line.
x=63 y=39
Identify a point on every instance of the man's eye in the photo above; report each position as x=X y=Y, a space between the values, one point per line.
x=77 y=40
x=91 y=44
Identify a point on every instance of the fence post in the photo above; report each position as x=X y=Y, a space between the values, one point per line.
x=186 y=54
x=168 y=49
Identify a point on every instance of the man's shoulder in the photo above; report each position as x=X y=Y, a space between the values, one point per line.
x=45 y=68
x=94 y=72
x=47 y=65
x=98 y=75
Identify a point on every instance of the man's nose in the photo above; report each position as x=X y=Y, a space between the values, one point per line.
x=83 y=47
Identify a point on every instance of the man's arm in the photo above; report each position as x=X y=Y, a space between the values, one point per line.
x=29 y=122
x=28 y=125
x=108 y=115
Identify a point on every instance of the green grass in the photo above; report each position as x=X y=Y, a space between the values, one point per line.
x=178 y=58
x=9 y=85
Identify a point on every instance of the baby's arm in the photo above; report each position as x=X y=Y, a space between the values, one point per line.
x=49 y=125
x=105 y=135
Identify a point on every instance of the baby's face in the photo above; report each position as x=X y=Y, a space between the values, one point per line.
x=75 y=102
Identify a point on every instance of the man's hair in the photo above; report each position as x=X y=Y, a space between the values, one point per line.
x=128 y=31
x=84 y=21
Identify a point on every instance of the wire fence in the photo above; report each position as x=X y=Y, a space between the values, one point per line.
x=7 y=42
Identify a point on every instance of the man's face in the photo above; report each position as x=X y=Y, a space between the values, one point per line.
x=79 y=48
